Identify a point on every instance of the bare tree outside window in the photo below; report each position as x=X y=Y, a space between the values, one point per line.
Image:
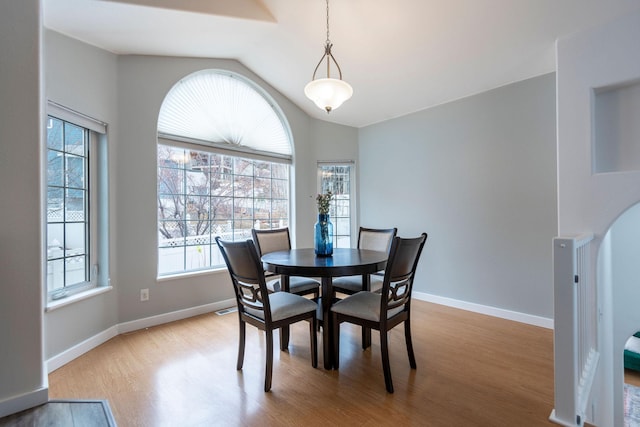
x=337 y=179
x=202 y=195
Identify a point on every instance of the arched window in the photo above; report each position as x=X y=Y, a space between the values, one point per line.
x=224 y=153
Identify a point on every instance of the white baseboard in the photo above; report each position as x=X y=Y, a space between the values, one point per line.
x=485 y=309
x=78 y=350
x=148 y=322
x=24 y=401
x=67 y=356
x=561 y=422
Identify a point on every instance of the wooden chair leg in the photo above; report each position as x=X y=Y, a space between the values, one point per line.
x=314 y=342
x=366 y=338
x=269 y=364
x=407 y=338
x=243 y=329
x=384 y=350
x=336 y=341
x=284 y=338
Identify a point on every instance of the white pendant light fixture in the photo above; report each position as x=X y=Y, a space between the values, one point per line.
x=327 y=93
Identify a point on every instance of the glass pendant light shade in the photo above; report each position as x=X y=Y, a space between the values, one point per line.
x=328 y=94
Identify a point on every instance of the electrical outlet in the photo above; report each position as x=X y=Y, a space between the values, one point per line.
x=144 y=294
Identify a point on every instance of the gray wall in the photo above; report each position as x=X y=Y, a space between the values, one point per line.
x=600 y=60
x=126 y=92
x=478 y=175
x=21 y=250
x=500 y=160
x=330 y=143
x=83 y=78
x=143 y=84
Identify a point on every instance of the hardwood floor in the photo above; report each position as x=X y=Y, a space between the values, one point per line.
x=473 y=370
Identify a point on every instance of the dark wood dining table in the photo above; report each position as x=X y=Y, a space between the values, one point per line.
x=304 y=262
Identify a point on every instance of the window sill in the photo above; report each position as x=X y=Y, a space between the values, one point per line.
x=89 y=293
x=179 y=276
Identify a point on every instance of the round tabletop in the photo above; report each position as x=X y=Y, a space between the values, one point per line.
x=343 y=262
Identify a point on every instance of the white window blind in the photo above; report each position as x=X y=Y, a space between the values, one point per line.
x=222 y=109
x=69 y=115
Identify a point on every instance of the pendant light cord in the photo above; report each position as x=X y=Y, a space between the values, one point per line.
x=327 y=54
x=328 y=93
x=328 y=41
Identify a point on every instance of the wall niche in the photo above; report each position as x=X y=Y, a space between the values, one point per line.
x=616 y=119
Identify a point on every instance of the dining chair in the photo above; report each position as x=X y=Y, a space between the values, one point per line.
x=257 y=306
x=267 y=241
x=376 y=240
x=383 y=311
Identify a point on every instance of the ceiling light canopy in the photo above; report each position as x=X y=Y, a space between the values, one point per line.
x=327 y=93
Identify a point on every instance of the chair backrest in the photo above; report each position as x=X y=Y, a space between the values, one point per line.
x=271 y=240
x=247 y=277
x=376 y=239
x=400 y=271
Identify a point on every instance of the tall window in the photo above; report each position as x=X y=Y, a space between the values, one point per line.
x=224 y=154
x=337 y=178
x=77 y=206
x=68 y=221
x=203 y=195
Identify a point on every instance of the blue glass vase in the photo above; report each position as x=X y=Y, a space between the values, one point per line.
x=324 y=236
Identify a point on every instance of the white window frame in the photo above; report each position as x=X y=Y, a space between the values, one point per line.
x=353 y=229
x=97 y=209
x=220 y=112
x=208 y=247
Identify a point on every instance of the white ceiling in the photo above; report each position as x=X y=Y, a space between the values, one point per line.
x=400 y=56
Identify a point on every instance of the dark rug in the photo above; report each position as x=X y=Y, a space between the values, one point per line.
x=631 y=406
x=79 y=413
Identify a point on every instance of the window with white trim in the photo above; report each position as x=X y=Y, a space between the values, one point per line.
x=202 y=195
x=224 y=154
x=337 y=177
x=75 y=228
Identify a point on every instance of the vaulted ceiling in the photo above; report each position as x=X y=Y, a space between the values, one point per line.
x=400 y=56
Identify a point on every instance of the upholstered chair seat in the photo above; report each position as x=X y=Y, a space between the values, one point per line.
x=387 y=309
